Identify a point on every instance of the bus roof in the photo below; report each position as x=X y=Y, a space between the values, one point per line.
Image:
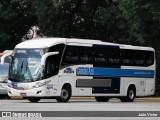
x=48 y=42
x=2 y=54
x=41 y=43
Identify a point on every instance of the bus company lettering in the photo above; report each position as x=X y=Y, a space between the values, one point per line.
x=142 y=73
x=85 y=71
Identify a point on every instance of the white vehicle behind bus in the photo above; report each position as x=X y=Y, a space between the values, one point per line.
x=4 y=67
x=60 y=68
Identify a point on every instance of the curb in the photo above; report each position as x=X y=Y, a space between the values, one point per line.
x=83 y=97
x=149 y=98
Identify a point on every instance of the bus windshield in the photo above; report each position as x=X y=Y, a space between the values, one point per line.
x=25 y=65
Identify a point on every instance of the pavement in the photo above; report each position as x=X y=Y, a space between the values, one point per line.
x=142 y=98
x=79 y=108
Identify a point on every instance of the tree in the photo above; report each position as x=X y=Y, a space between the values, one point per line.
x=15 y=20
x=135 y=22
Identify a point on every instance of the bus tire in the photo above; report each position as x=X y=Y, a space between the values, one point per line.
x=131 y=94
x=65 y=94
x=102 y=99
x=2 y=97
x=8 y=97
x=34 y=99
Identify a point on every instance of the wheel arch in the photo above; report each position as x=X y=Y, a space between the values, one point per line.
x=67 y=85
x=132 y=85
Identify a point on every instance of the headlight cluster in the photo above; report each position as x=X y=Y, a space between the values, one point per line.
x=39 y=84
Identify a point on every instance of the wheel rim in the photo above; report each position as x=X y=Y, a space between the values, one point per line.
x=64 y=94
x=131 y=94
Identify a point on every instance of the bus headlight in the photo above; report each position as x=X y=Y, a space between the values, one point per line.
x=39 y=84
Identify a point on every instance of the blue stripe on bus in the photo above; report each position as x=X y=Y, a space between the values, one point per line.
x=97 y=71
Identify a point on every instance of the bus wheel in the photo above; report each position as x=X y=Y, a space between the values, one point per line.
x=34 y=99
x=2 y=96
x=102 y=99
x=8 y=97
x=65 y=94
x=131 y=94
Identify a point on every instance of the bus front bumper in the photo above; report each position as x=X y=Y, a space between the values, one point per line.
x=35 y=92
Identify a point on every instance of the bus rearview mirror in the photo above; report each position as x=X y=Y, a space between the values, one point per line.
x=44 y=57
x=4 y=56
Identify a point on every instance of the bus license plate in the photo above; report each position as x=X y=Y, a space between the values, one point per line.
x=23 y=94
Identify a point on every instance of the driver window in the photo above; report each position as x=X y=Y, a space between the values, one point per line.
x=51 y=66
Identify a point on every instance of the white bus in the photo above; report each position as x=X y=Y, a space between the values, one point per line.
x=60 y=68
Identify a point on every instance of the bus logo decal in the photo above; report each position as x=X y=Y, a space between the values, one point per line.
x=68 y=70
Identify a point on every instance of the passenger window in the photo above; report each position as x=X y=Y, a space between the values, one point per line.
x=99 y=58
x=127 y=57
x=86 y=55
x=139 y=58
x=113 y=57
x=149 y=58
x=51 y=66
x=133 y=57
x=70 y=55
x=57 y=48
x=106 y=56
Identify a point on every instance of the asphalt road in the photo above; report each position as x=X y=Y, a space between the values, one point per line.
x=85 y=109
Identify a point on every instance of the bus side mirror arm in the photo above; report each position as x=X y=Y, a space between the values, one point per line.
x=4 y=56
x=44 y=57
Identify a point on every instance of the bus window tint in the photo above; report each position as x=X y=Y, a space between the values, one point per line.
x=70 y=55
x=127 y=57
x=57 y=48
x=113 y=56
x=99 y=57
x=51 y=66
x=105 y=57
x=85 y=55
x=137 y=58
x=149 y=58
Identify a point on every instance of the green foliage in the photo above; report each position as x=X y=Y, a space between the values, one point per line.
x=135 y=22
x=15 y=19
x=126 y=21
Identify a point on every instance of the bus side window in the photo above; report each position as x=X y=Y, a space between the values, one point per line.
x=85 y=55
x=73 y=58
x=139 y=58
x=99 y=57
x=51 y=66
x=113 y=57
x=127 y=57
x=105 y=57
x=70 y=55
x=57 y=48
x=149 y=58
